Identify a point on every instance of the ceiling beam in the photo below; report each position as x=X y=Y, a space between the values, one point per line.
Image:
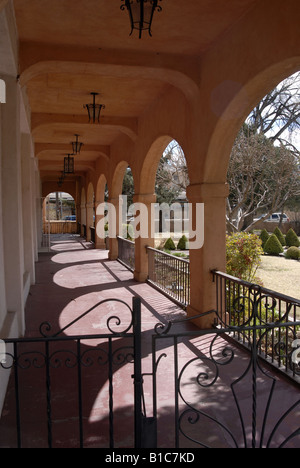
x=127 y=125
x=66 y=149
x=182 y=72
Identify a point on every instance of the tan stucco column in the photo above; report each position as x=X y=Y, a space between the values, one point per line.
x=113 y=226
x=99 y=241
x=27 y=206
x=89 y=219
x=212 y=255
x=144 y=220
x=82 y=219
x=78 y=216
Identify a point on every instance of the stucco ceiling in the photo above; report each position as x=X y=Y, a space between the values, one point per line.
x=83 y=46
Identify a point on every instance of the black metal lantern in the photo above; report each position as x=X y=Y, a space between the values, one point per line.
x=69 y=165
x=61 y=179
x=94 y=109
x=141 y=14
x=76 y=145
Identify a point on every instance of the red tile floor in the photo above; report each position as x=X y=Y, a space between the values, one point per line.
x=69 y=280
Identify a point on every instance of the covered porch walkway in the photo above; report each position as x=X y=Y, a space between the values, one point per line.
x=71 y=279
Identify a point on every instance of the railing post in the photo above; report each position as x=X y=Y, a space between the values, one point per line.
x=151 y=263
x=138 y=378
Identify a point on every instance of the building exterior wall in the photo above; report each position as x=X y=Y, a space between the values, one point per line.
x=200 y=102
x=18 y=197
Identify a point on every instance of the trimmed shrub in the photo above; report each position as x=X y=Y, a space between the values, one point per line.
x=279 y=235
x=243 y=255
x=293 y=253
x=182 y=243
x=273 y=246
x=264 y=236
x=292 y=239
x=169 y=244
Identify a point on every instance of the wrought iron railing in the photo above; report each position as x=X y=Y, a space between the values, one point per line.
x=55 y=380
x=126 y=252
x=240 y=302
x=224 y=396
x=170 y=274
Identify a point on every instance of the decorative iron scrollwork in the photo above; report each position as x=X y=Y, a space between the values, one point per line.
x=111 y=322
x=200 y=381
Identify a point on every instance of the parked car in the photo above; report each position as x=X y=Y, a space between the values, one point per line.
x=70 y=218
x=275 y=217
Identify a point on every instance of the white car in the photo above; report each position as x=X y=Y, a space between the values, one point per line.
x=275 y=217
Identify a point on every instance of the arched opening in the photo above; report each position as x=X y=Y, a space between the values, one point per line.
x=264 y=186
x=127 y=205
x=59 y=217
x=163 y=184
x=236 y=112
x=172 y=214
x=59 y=214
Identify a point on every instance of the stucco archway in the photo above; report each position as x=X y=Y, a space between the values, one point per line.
x=238 y=102
x=235 y=113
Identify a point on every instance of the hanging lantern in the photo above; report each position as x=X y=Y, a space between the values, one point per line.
x=76 y=145
x=94 y=109
x=61 y=179
x=141 y=14
x=69 y=165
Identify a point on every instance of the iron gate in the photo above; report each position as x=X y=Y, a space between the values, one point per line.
x=56 y=379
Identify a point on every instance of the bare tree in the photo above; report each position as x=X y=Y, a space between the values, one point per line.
x=172 y=173
x=278 y=113
x=261 y=176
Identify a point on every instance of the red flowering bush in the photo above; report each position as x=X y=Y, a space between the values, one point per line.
x=243 y=255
